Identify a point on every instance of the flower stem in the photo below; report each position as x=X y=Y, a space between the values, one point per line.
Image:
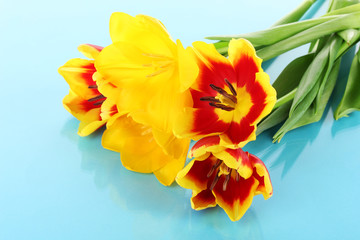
x=284 y=99
x=296 y=14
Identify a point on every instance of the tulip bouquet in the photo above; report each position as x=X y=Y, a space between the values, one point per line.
x=154 y=96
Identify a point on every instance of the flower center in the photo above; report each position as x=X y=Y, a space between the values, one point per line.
x=216 y=167
x=158 y=63
x=223 y=99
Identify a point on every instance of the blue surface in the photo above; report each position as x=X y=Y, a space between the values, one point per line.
x=57 y=185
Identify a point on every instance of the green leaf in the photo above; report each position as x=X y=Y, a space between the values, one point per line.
x=290 y=77
x=298 y=113
x=277 y=33
x=349 y=35
x=274 y=118
x=315 y=111
x=222 y=47
x=350 y=8
x=339 y=4
x=333 y=51
x=296 y=14
x=313 y=75
x=308 y=35
x=351 y=99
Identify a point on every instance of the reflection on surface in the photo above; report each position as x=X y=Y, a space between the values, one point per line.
x=160 y=212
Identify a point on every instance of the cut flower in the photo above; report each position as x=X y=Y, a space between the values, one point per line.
x=150 y=69
x=229 y=97
x=85 y=101
x=224 y=176
x=146 y=74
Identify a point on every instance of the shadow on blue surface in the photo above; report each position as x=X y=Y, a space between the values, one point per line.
x=287 y=151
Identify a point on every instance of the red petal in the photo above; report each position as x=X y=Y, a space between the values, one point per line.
x=206 y=142
x=206 y=121
x=203 y=199
x=237 y=197
x=237 y=133
x=258 y=97
x=198 y=172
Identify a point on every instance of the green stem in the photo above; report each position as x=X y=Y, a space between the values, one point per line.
x=284 y=99
x=341 y=23
x=296 y=14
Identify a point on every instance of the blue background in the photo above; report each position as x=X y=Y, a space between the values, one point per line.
x=57 y=185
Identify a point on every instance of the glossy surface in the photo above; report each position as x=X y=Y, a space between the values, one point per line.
x=57 y=185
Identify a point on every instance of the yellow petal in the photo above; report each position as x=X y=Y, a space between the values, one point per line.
x=236 y=159
x=173 y=146
x=188 y=69
x=78 y=73
x=89 y=50
x=142 y=30
x=138 y=149
x=240 y=50
x=264 y=81
x=166 y=175
x=90 y=123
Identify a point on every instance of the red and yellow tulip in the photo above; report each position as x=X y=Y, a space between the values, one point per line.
x=85 y=101
x=229 y=97
x=226 y=177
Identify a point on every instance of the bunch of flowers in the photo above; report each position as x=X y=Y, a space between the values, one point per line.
x=154 y=96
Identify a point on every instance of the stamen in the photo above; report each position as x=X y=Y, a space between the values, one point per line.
x=224 y=93
x=92 y=86
x=99 y=103
x=231 y=87
x=226 y=180
x=155 y=55
x=156 y=73
x=215 y=166
x=211 y=99
x=98 y=97
x=222 y=106
x=237 y=177
x=216 y=179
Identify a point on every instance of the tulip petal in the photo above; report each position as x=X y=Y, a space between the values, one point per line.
x=236 y=159
x=78 y=73
x=194 y=175
x=173 y=146
x=243 y=57
x=188 y=69
x=262 y=175
x=90 y=123
x=166 y=175
x=203 y=199
x=124 y=135
x=213 y=68
x=89 y=50
x=237 y=197
x=141 y=30
x=204 y=145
